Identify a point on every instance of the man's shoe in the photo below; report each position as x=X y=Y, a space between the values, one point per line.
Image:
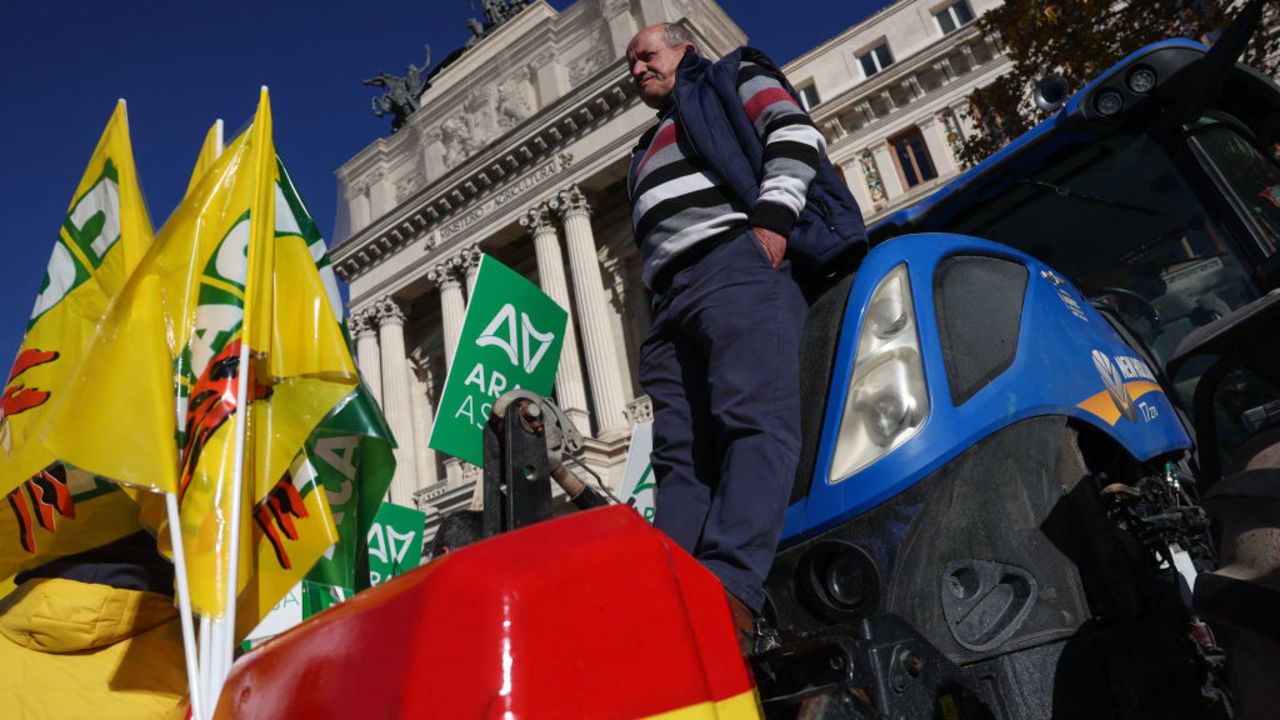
x=744 y=621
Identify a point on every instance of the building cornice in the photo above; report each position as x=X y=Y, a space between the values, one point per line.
x=410 y=272
x=900 y=74
x=504 y=161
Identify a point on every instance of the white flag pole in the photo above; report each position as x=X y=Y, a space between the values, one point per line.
x=184 y=607
x=206 y=658
x=228 y=620
x=197 y=682
x=224 y=647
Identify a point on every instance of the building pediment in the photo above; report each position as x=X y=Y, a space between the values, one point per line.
x=520 y=92
x=498 y=173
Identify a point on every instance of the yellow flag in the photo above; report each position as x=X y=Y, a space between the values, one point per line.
x=209 y=152
x=103 y=237
x=221 y=276
x=151 y=504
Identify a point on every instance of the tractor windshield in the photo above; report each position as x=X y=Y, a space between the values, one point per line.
x=1118 y=216
x=1163 y=235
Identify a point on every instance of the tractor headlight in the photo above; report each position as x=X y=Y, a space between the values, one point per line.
x=1108 y=103
x=1141 y=80
x=887 y=401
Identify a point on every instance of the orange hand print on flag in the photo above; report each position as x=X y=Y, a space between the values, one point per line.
x=276 y=513
x=213 y=402
x=18 y=398
x=39 y=500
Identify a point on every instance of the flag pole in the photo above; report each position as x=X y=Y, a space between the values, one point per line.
x=184 y=607
x=197 y=681
x=206 y=657
x=224 y=648
x=237 y=491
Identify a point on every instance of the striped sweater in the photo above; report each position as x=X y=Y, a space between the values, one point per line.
x=677 y=202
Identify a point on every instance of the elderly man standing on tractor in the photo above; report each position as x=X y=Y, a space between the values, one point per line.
x=735 y=207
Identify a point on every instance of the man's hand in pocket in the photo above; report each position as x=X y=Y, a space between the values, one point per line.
x=775 y=245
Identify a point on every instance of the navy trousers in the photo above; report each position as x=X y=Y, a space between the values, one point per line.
x=721 y=365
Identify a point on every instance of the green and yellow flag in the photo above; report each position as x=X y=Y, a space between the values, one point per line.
x=352 y=451
x=104 y=236
x=224 y=274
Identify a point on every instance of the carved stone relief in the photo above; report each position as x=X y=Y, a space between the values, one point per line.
x=514 y=99
x=590 y=61
x=955 y=135
x=871 y=175
x=639 y=410
x=407 y=185
x=364 y=322
x=484 y=115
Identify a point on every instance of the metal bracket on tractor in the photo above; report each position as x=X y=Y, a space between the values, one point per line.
x=525 y=441
x=516 y=491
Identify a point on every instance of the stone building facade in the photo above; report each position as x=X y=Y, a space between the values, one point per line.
x=520 y=150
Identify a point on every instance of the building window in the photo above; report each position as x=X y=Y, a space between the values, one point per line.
x=954 y=16
x=809 y=96
x=876 y=59
x=912 y=157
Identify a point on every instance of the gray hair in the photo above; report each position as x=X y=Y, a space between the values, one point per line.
x=677 y=34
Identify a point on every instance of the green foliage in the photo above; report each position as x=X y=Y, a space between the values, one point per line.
x=1078 y=39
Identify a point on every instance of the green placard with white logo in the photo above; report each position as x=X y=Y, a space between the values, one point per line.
x=395 y=542
x=511 y=339
x=638 y=484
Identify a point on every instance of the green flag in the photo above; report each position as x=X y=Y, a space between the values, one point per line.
x=395 y=542
x=351 y=449
x=511 y=338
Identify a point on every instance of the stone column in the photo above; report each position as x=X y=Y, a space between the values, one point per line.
x=570 y=392
x=601 y=351
x=888 y=169
x=469 y=266
x=395 y=399
x=935 y=138
x=452 y=306
x=452 y=310
x=421 y=385
x=364 y=326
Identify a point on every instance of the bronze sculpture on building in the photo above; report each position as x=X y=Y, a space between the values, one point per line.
x=401 y=98
x=496 y=13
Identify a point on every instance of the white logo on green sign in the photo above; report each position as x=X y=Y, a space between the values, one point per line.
x=511 y=339
x=531 y=341
x=395 y=542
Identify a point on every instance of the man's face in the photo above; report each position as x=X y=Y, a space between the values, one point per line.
x=653 y=65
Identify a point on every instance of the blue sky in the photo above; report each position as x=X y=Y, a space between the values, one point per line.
x=180 y=65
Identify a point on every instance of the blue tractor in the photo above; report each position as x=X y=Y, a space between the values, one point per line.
x=1041 y=476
